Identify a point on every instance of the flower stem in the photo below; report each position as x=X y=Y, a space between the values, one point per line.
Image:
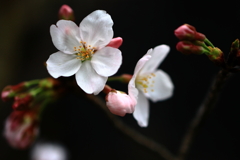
x=209 y=43
x=203 y=112
x=115 y=78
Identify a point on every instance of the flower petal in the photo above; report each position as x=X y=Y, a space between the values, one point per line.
x=96 y=29
x=141 y=113
x=61 y=64
x=88 y=80
x=107 y=61
x=158 y=54
x=65 y=36
x=162 y=88
x=133 y=92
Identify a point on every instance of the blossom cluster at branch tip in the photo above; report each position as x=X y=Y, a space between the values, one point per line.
x=193 y=42
x=85 y=51
x=149 y=82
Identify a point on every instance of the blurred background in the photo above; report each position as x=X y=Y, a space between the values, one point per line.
x=83 y=129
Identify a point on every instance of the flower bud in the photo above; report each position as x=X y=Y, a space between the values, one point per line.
x=187 y=47
x=119 y=103
x=21 y=128
x=188 y=32
x=233 y=56
x=9 y=92
x=22 y=101
x=115 y=42
x=66 y=12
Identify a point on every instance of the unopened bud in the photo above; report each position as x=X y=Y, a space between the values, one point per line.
x=187 y=47
x=233 y=56
x=188 y=32
x=21 y=128
x=119 y=103
x=22 y=101
x=115 y=42
x=9 y=92
x=66 y=12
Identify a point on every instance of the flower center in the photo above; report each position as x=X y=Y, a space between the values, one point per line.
x=84 y=51
x=146 y=82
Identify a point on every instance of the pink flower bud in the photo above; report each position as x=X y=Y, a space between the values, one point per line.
x=21 y=128
x=188 y=32
x=66 y=12
x=120 y=103
x=10 y=91
x=187 y=47
x=115 y=42
x=22 y=101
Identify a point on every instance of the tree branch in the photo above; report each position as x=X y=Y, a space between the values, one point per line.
x=136 y=136
x=203 y=112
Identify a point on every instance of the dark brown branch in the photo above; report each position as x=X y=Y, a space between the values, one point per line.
x=136 y=136
x=202 y=114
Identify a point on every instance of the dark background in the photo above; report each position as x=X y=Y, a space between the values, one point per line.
x=83 y=129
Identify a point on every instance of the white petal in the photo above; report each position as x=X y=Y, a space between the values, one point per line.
x=107 y=61
x=96 y=29
x=65 y=36
x=158 y=55
x=133 y=92
x=61 y=64
x=162 y=88
x=88 y=80
x=141 y=113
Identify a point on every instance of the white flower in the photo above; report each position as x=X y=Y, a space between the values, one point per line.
x=83 y=51
x=150 y=82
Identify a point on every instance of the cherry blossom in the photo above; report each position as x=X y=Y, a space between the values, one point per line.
x=149 y=82
x=84 y=51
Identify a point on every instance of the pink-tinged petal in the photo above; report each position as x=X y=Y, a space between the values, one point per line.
x=141 y=113
x=96 y=29
x=88 y=79
x=120 y=103
x=133 y=92
x=115 y=42
x=61 y=64
x=65 y=36
x=158 y=55
x=162 y=87
x=107 y=61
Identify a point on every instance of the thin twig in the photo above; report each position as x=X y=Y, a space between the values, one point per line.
x=136 y=136
x=202 y=114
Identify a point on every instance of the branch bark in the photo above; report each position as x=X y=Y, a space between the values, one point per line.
x=203 y=112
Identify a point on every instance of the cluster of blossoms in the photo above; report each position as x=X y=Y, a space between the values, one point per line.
x=29 y=99
x=193 y=42
x=91 y=54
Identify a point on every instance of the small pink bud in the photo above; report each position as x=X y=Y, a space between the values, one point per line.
x=120 y=103
x=10 y=91
x=188 y=32
x=115 y=42
x=22 y=101
x=21 y=128
x=66 y=12
x=187 y=47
